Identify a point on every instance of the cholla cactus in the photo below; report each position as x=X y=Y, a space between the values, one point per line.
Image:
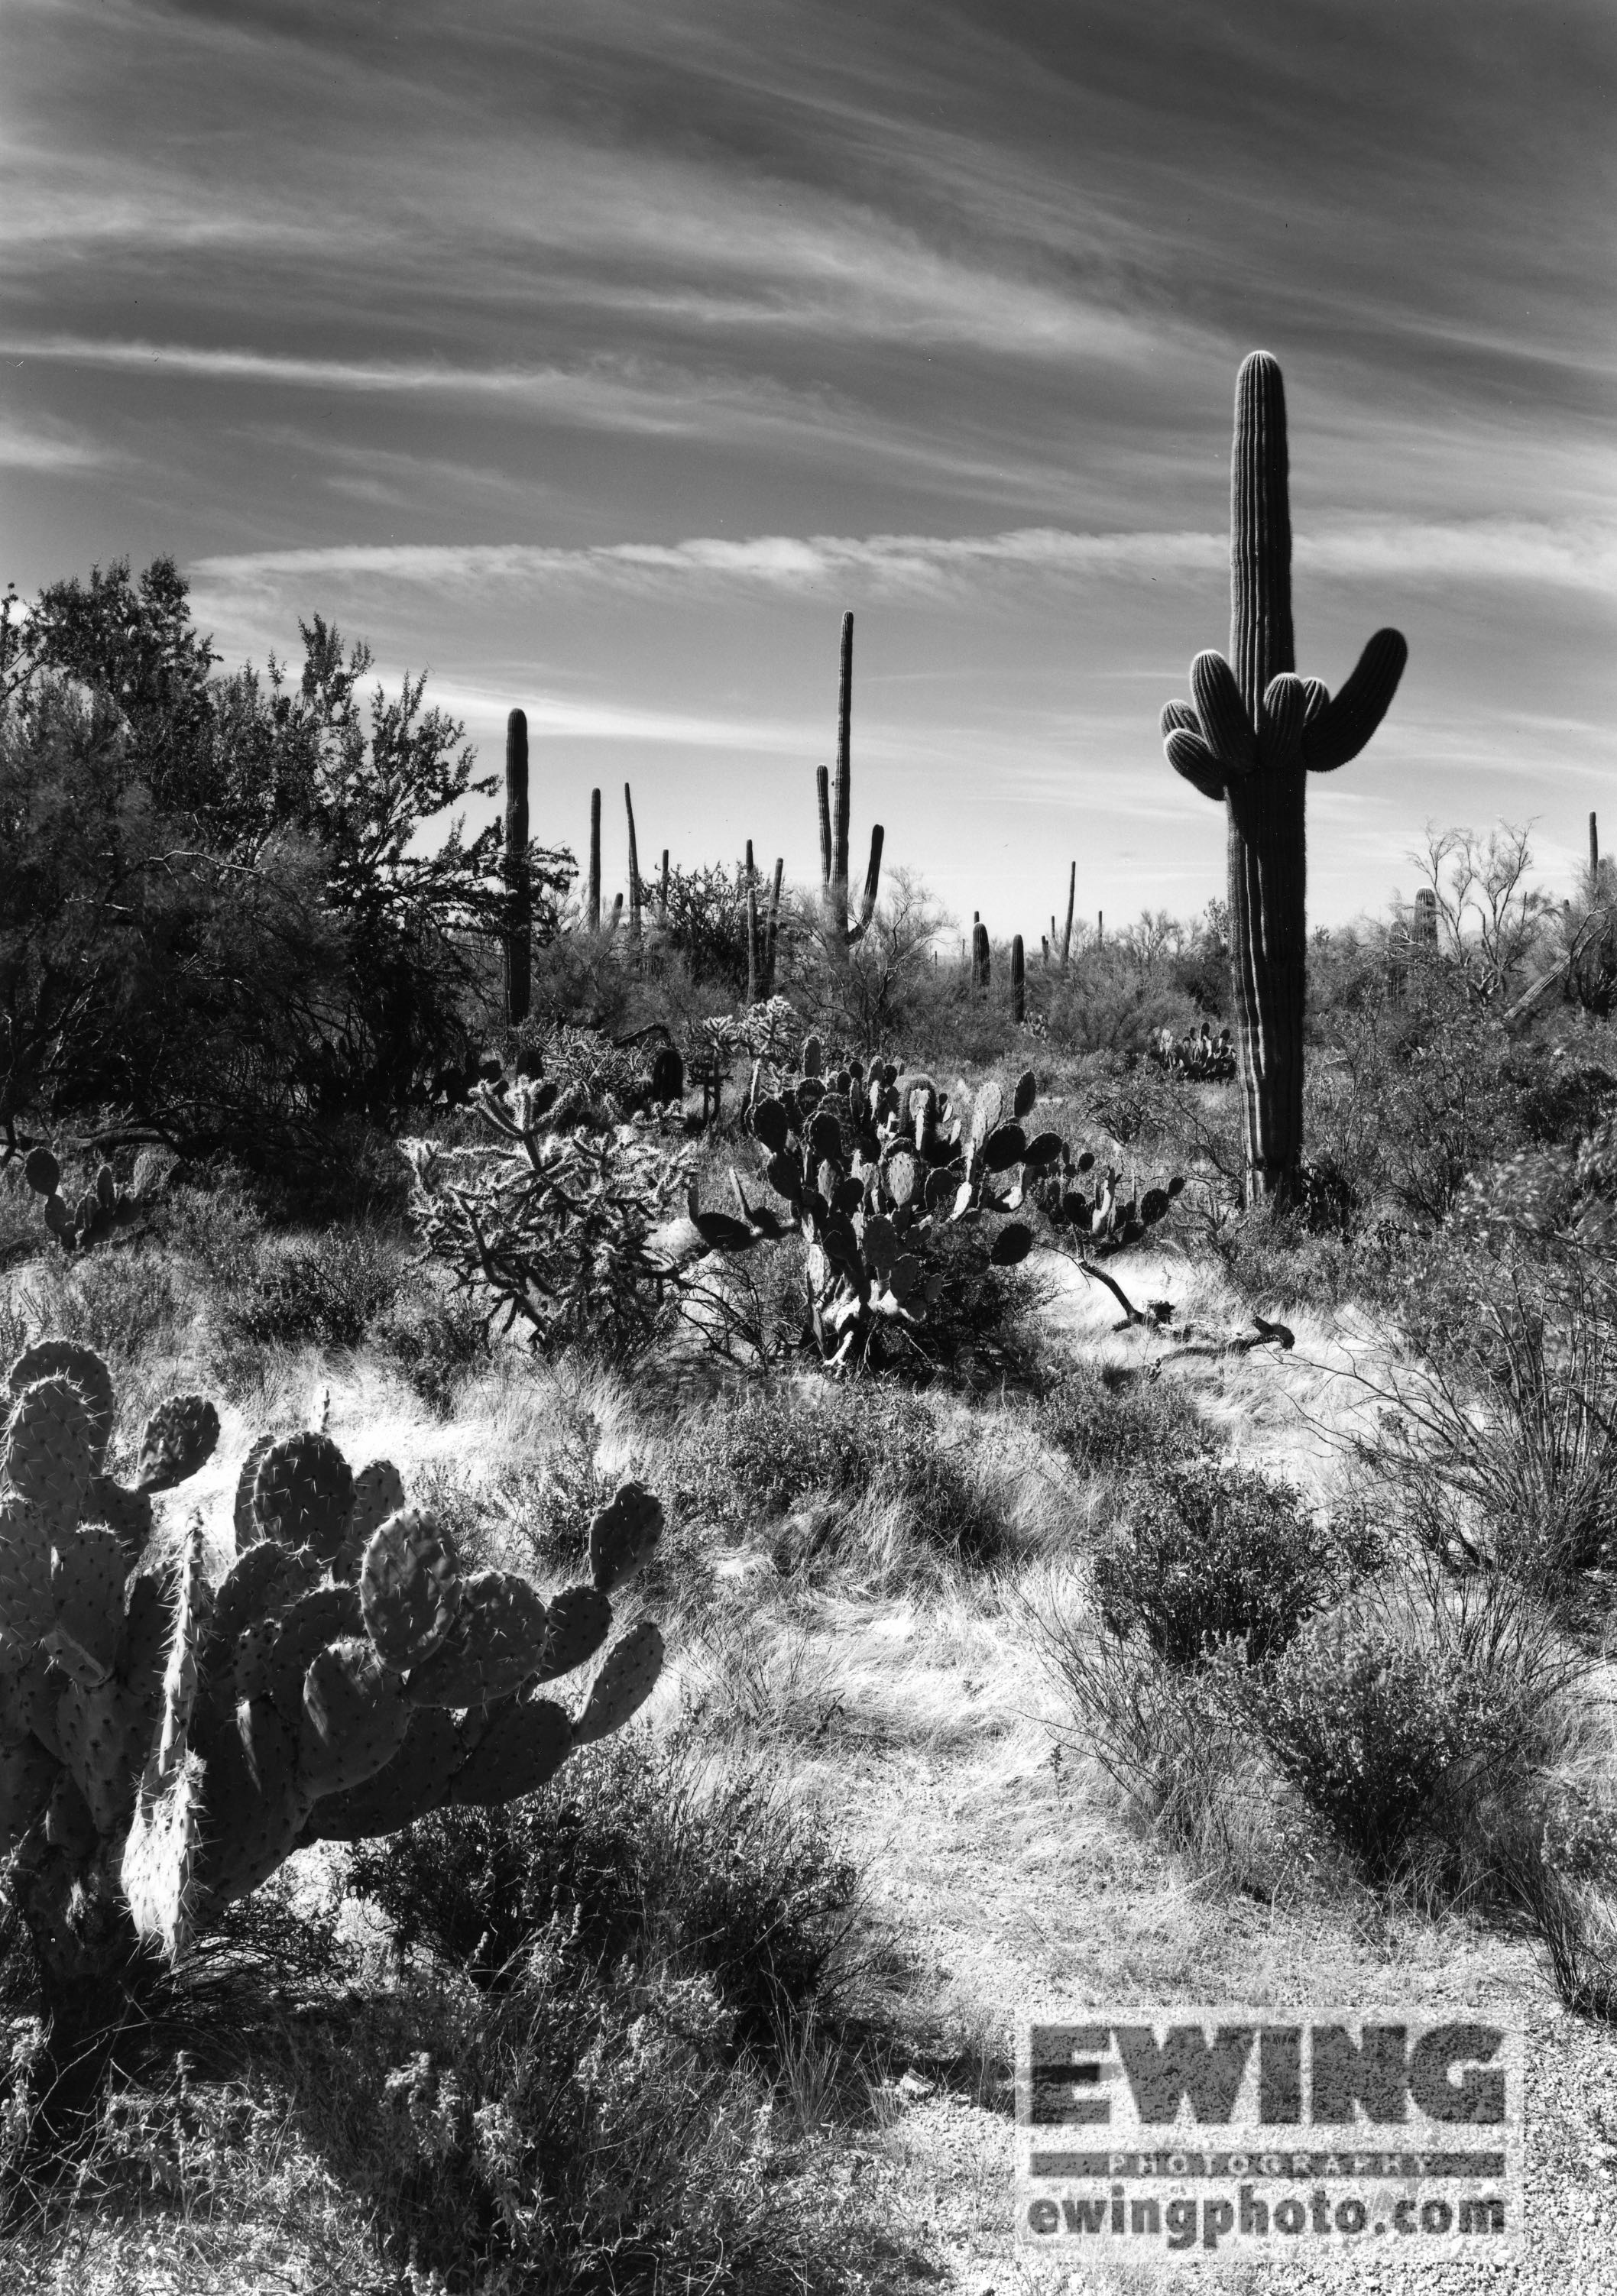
x=170 y=1742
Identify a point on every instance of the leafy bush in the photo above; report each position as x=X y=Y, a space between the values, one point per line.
x=1109 y=1421
x=1510 y=1459
x=630 y=1855
x=436 y=1337
x=1209 y=1553
x=1377 y=1735
x=329 y=1291
x=740 y=1469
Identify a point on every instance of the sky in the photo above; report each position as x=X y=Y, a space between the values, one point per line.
x=595 y=357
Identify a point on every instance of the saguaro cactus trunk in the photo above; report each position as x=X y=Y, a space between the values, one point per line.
x=1066 y=939
x=843 y=794
x=593 y=909
x=519 y=882
x=1249 y=737
x=1019 y=981
x=772 y=928
x=633 y=870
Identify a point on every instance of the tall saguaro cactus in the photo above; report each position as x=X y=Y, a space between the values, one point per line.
x=518 y=881
x=592 y=896
x=841 y=805
x=633 y=869
x=1249 y=737
x=1019 y=982
x=835 y=807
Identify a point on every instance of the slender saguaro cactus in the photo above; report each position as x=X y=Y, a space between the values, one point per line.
x=1250 y=736
x=1594 y=858
x=1066 y=939
x=1019 y=981
x=593 y=909
x=772 y=928
x=634 y=918
x=752 y=949
x=519 y=882
x=835 y=803
x=981 y=960
x=842 y=795
x=662 y=899
x=1044 y=945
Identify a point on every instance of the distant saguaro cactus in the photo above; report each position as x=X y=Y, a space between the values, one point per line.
x=981 y=960
x=633 y=870
x=1250 y=736
x=1066 y=939
x=519 y=882
x=835 y=808
x=1019 y=981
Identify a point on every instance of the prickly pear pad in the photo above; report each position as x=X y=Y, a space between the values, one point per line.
x=622 y=1535
x=497 y=1644
x=66 y=1358
x=50 y=1448
x=303 y=1494
x=525 y=1744
x=579 y=1621
x=409 y=1586
x=626 y=1681
x=179 y=1438
x=160 y=1857
x=88 y=1573
x=353 y=1718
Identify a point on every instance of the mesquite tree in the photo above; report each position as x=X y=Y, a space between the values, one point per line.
x=1253 y=732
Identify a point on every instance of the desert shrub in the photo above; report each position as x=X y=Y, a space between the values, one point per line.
x=128 y=1303
x=1109 y=1421
x=1207 y=1553
x=327 y=1291
x=437 y=1337
x=742 y=1467
x=630 y=1853
x=1508 y=1456
x=1559 y=1099
x=1393 y=1746
x=583 y=2130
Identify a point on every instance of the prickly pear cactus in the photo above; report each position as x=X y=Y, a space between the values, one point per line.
x=103 y=1208
x=877 y=1163
x=165 y=1742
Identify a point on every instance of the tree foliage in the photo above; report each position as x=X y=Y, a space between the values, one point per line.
x=230 y=908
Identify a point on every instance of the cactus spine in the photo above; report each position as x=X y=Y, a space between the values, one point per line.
x=593 y=897
x=518 y=883
x=1249 y=737
x=1019 y=982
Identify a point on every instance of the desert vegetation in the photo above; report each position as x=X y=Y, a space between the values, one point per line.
x=622 y=1531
